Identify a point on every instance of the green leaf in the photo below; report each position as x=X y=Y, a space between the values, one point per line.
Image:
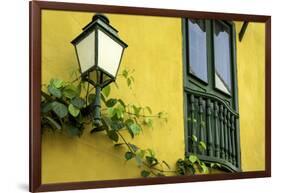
x=147 y=121
x=215 y=165
x=129 y=82
x=129 y=155
x=60 y=109
x=78 y=102
x=42 y=99
x=190 y=169
x=71 y=91
x=54 y=91
x=118 y=144
x=113 y=135
x=121 y=102
x=125 y=73
x=194 y=138
x=106 y=123
x=91 y=98
x=111 y=112
x=135 y=128
x=111 y=102
x=148 y=109
x=46 y=107
x=140 y=153
x=202 y=145
x=204 y=168
x=145 y=173
x=151 y=152
x=102 y=98
x=57 y=83
x=136 y=110
x=53 y=123
x=97 y=129
x=106 y=91
x=151 y=160
x=73 y=130
x=120 y=112
x=192 y=158
x=74 y=111
x=138 y=160
x=133 y=147
x=129 y=122
x=163 y=115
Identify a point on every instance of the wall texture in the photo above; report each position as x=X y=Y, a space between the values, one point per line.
x=251 y=88
x=155 y=53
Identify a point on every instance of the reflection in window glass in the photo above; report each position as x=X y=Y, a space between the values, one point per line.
x=222 y=57
x=197 y=48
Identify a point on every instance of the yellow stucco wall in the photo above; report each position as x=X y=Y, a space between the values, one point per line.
x=155 y=53
x=251 y=88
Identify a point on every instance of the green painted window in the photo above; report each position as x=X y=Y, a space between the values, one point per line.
x=198 y=51
x=210 y=91
x=222 y=56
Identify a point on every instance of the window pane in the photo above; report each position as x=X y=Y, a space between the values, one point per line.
x=222 y=57
x=197 y=48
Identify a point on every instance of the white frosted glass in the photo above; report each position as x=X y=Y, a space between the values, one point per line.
x=109 y=53
x=86 y=52
x=220 y=85
x=222 y=53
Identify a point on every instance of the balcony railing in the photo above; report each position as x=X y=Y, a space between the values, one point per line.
x=212 y=121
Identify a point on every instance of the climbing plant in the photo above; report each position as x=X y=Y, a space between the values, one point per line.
x=66 y=106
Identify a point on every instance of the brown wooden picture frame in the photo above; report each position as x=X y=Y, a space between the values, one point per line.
x=35 y=8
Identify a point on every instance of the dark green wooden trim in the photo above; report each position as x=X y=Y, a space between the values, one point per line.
x=201 y=122
x=243 y=30
x=212 y=96
x=185 y=108
x=225 y=164
x=216 y=128
x=226 y=134
x=209 y=129
x=229 y=137
x=236 y=94
x=222 y=132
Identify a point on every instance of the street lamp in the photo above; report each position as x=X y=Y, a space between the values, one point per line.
x=99 y=52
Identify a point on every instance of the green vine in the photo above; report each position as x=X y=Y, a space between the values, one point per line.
x=67 y=106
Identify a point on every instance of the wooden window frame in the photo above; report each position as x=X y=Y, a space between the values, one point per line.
x=209 y=90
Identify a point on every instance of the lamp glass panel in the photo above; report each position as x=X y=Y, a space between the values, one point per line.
x=86 y=52
x=109 y=53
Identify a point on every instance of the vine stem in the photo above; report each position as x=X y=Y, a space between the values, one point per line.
x=154 y=116
x=124 y=140
x=129 y=113
x=145 y=164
